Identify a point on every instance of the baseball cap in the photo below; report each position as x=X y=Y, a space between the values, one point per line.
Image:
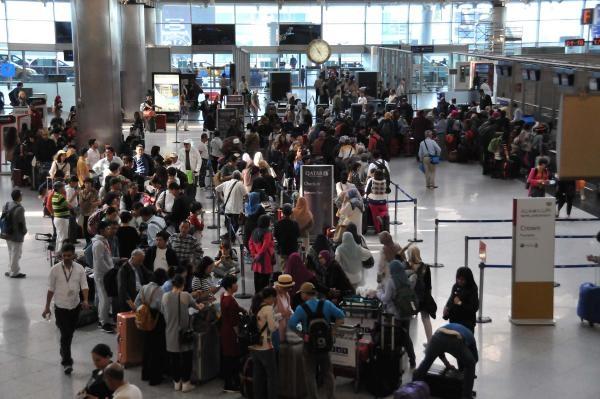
x=307 y=288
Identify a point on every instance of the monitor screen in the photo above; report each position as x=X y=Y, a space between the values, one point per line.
x=166 y=92
x=298 y=33
x=68 y=56
x=62 y=31
x=223 y=34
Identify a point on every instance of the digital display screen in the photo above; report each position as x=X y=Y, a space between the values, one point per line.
x=574 y=42
x=298 y=33
x=587 y=16
x=213 y=34
x=596 y=41
x=166 y=91
x=62 y=32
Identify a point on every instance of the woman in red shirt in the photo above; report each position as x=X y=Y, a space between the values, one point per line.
x=262 y=249
x=230 y=348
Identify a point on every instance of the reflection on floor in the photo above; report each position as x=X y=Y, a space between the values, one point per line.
x=515 y=362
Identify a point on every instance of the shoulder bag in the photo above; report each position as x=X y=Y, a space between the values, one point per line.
x=435 y=159
x=222 y=207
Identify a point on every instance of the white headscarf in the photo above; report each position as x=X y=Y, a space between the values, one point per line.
x=258 y=157
x=350 y=256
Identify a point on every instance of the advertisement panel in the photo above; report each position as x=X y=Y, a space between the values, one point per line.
x=317 y=186
x=166 y=88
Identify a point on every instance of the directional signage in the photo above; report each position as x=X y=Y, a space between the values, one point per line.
x=421 y=49
x=574 y=42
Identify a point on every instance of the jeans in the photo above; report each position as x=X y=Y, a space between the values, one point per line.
x=264 y=374
x=15 y=250
x=444 y=343
x=233 y=224
x=62 y=231
x=322 y=363
x=103 y=300
x=181 y=365
x=66 y=321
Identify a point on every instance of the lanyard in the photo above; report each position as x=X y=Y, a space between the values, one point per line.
x=65 y=273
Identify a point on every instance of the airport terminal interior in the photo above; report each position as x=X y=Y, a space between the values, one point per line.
x=465 y=129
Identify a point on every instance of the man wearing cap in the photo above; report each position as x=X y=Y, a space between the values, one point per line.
x=287 y=234
x=315 y=361
x=191 y=162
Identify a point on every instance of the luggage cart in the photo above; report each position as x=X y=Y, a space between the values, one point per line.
x=344 y=354
x=50 y=250
x=361 y=312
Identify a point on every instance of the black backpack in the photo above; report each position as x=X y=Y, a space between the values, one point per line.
x=319 y=338
x=249 y=334
x=386 y=173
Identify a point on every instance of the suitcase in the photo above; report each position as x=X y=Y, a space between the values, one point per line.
x=444 y=384
x=453 y=156
x=17 y=177
x=413 y=390
x=588 y=306
x=206 y=361
x=246 y=381
x=291 y=371
x=383 y=372
x=87 y=316
x=130 y=340
x=161 y=122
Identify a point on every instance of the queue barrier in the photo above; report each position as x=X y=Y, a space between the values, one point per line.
x=409 y=198
x=438 y=221
x=243 y=294
x=482 y=266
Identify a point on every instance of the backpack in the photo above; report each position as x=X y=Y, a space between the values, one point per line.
x=95 y=218
x=405 y=302
x=145 y=319
x=494 y=145
x=318 y=337
x=6 y=224
x=110 y=282
x=386 y=173
x=249 y=334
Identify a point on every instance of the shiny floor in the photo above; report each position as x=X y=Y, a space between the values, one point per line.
x=515 y=362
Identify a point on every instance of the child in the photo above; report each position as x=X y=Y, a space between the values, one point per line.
x=196 y=220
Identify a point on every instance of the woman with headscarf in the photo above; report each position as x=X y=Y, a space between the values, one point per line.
x=252 y=211
x=304 y=217
x=247 y=172
x=395 y=294
x=262 y=249
x=336 y=284
x=295 y=267
x=387 y=254
x=312 y=256
x=351 y=256
x=359 y=239
x=463 y=303
x=352 y=210
x=422 y=286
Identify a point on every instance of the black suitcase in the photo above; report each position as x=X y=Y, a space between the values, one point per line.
x=444 y=384
x=87 y=317
x=383 y=371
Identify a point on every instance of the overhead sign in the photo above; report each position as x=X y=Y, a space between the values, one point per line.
x=421 y=49
x=533 y=261
x=166 y=92
x=317 y=186
x=574 y=42
x=587 y=16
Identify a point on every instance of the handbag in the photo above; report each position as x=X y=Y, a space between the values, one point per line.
x=222 y=207
x=434 y=159
x=369 y=263
x=186 y=335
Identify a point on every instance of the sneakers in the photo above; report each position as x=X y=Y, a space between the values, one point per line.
x=187 y=387
x=68 y=369
x=107 y=328
x=18 y=275
x=177 y=385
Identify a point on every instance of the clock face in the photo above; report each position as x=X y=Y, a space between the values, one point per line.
x=318 y=51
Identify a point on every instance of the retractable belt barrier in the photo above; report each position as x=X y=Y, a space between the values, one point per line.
x=397 y=201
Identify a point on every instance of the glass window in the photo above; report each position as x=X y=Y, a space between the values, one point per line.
x=41 y=32
x=174 y=34
x=377 y=14
x=518 y=11
x=440 y=33
x=562 y=10
x=174 y=13
x=567 y=30
x=344 y=33
x=527 y=30
x=255 y=13
x=181 y=63
x=223 y=59
x=256 y=35
x=29 y=10
x=308 y=13
x=3 y=38
x=344 y=14
x=217 y=14
x=62 y=11
x=387 y=33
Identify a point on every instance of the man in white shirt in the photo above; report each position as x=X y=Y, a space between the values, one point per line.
x=205 y=157
x=486 y=88
x=428 y=149
x=166 y=199
x=216 y=150
x=114 y=376
x=93 y=155
x=100 y=168
x=191 y=163
x=154 y=223
x=232 y=195
x=362 y=98
x=66 y=280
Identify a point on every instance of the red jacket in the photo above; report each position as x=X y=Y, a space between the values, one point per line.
x=262 y=254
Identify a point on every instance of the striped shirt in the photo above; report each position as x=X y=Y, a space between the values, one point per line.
x=59 y=206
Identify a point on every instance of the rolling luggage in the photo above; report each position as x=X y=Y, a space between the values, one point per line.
x=453 y=156
x=246 y=381
x=206 y=361
x=17 y=177
x=444 y=384
x=383 y=372
x=413 y=390
x=161 y=122
x=291 y=371
x=130 y=340
x=588 y=306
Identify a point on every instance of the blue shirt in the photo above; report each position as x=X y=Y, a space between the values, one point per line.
x=467 y=335
x=330 y=311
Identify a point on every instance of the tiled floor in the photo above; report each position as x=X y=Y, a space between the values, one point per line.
x=515 y=362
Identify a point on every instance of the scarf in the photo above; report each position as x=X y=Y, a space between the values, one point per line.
x=355 y=200
x=253 y=204
x=325 y=254
x=302 y=214
x=297 y=269
x=390 y=248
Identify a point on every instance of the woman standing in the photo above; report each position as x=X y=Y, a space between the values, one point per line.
x=463 y=303
x=83 y=172
x=351 y=256
x=264 y=362
x=336 y=284
x=155 y=352
x=183 y=113
x=174 y=307
x=304 y=217
x=253 y=211
x=262 y=249
x=352 y=210
x=388 y=253
x=394 y=292
x=230 y=348
x=284 y=285
x=422 y=276
x=538 y=179
x=296 y=268
x=312 y=256
x=377 y=199
x=60 y=163
x=88 y=202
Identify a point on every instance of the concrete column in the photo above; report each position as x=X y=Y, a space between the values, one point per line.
x=97 y=50
x=426 y=26
x=133 y=78
x=498 y=27
x=150 y=25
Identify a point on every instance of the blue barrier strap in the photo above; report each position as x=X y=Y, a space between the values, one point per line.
x=509 y=237
x=510 y=220
x=575 y=236
x=588 y=265
x=397 y=201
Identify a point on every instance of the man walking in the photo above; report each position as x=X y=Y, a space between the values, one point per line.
x=61 y=212
x=192 y=162
x=103 y=262
x=14 y=232
x=67 y=279
x=232 y=192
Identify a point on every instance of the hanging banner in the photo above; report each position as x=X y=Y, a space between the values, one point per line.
x=317 y=186
x=533 y=261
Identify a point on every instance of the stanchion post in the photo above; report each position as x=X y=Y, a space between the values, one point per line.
x=466 y=251
x=243 y=294
x=395 y=205
x=415 y=210
x=213 y=225
x=217 y=241
x=435 y=245
x=480 y=318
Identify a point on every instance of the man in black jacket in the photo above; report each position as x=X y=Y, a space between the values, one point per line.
x=13 y=96
x=131 y=276
x=287 y=234
x=160 y=255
